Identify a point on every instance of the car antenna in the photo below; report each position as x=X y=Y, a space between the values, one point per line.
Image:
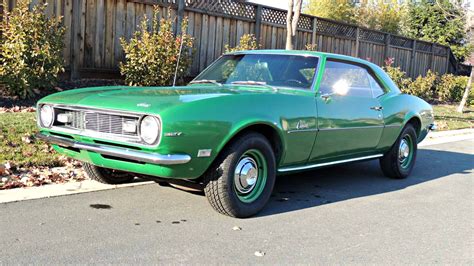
x=177 y=63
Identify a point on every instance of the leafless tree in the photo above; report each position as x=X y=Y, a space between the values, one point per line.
x=466 y=92
x=294 y=11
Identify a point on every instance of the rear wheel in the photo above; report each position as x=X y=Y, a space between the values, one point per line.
x=399 y=161
x=241 y=180
x=106 y=175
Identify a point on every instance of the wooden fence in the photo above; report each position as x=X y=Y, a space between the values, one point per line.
x=94 y=27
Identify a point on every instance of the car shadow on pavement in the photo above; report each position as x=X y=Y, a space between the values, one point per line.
x=329 y=185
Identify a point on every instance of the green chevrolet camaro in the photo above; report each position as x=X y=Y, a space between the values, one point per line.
x=247 y=118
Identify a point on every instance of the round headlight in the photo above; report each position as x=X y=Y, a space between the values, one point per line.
x=150 y=129
x=46 y=115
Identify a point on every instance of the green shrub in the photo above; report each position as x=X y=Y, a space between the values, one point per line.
x=151 y=56
x=451 y=88
x=397 y=75
x=431 y=87
x=424 y=87
x=311 y=47
x=246 y=42
x=30 y=50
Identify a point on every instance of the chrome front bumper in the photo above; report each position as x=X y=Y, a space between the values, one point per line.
x=130 y=154
x=432 y=127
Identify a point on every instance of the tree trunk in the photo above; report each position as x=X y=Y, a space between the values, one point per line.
x=466 y=92
x=289 y=30
x=294 y=23
x=292 y=18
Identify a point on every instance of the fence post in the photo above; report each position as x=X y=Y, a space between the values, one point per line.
x=181 y=6
x=387 y=45
x=432 y=61
x=412 y=60
x=447 y=60
x=357 y=42
x=258 y=23
x=315 y=29
x=75 y=39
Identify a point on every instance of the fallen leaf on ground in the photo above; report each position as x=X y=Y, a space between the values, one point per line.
x=259 y=253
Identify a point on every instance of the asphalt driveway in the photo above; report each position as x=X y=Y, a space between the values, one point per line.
x=344 y=214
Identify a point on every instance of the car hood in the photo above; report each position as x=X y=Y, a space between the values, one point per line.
x=147 y=99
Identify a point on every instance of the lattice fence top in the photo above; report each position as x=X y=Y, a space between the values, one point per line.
x=271 y=15
x=440 y=50
x=227 y=7
x=372 y=36
x=401 y=42
x=169 y=2
x=328 y=27
x=305 y=22
x=423 y=46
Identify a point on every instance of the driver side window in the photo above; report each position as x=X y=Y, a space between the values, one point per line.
x=345 y=79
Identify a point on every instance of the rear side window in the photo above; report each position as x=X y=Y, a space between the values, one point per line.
x=377 y=90
x=346 y=79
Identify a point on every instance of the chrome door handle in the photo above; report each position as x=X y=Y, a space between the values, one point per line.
x=377 y=108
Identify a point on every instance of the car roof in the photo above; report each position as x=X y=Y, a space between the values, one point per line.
x=308 y=53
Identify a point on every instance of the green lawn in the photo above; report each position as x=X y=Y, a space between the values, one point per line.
x=17 y=142
x=447 y=118
x=18 y=146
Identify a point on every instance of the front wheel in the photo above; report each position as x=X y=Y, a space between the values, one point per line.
x=241 y=180
x=399 y=161
x=106 y=175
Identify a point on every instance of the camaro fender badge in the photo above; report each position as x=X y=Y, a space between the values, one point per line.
x=173 y=134
x=204 y=153
x=146 y=105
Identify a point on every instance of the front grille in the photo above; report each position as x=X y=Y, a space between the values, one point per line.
x=97 y=121
x=106 y=123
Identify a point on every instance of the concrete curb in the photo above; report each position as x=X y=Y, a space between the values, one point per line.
x=438 y=134
x=438 y=137
x=55 y=190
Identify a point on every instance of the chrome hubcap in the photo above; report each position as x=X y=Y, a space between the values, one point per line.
x=246 y=175
x=403 y=150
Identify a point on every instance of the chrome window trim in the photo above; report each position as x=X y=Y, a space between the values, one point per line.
x=369 y=70
x=136 y=141
x=289 y=169
x=312 y=88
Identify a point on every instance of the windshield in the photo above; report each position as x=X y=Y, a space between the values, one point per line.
x=262 y=69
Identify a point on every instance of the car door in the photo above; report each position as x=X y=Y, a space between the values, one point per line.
x=350 y=117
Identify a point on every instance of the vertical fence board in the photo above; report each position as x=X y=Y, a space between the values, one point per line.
x=99 y=56
x=203 y=50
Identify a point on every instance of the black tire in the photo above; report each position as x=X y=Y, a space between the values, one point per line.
x=220 y=188
x=391 y=163
x=106 y=175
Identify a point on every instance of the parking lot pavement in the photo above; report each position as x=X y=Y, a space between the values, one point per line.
x=343 y=214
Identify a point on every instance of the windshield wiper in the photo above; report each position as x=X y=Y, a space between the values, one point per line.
x=252 y=82
x=202 y=81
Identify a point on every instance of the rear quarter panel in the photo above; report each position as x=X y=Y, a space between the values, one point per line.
x=398 y=110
